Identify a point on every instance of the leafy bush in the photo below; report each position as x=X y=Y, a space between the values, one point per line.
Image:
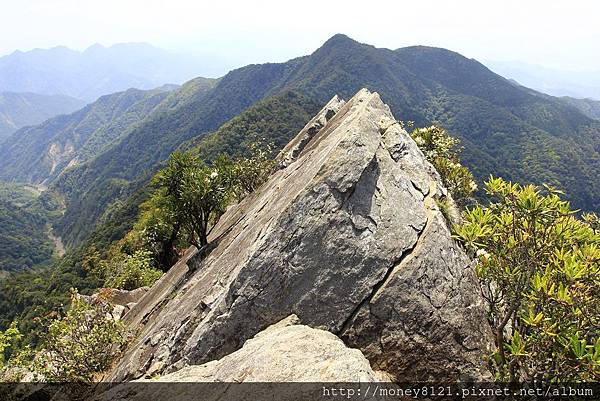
x=443 y=152
x=124 y=271
x=81 y=344
x=8 y=340
x=539 y=267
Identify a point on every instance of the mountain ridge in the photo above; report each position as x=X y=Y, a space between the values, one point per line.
x=94 y=72
x=39 y=154
x=506 y=130
x=20 y=109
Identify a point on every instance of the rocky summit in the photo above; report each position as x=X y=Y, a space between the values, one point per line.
x=347 y=236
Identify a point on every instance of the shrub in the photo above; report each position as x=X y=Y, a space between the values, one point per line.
x=81 y=344
x=8 y=341
x=124 y=271
x=443 y=152
x=539 y=266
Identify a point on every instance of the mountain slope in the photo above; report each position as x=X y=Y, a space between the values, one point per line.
x=94 y=72
x=589 y=107
x=20 y=109
x=39 y=153
x=511 y=131
x=24 y=223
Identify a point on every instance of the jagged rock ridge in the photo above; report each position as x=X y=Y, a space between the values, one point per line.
x=349 y=238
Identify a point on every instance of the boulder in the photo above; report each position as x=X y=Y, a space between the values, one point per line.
x=282 y=353
x=349 y=238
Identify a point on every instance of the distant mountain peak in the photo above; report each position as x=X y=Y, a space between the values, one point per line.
x=340 y=40
x=94 y=47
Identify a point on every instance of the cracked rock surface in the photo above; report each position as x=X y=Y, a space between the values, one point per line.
x=347 y=237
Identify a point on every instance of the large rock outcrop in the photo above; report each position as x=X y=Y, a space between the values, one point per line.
x=349 y=238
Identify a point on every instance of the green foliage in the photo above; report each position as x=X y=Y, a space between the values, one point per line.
x=8 y=340
x=193 y=195
x=249 y=173
x=34 y=298
x=539 y=267
x=157 y=231
x=80 y=344
x=442 y=151
x=125 y=271
x=592 y=220
x=196 y=194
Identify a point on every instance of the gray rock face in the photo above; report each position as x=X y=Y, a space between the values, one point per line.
x=349 y=238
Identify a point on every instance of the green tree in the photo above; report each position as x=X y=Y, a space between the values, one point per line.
x=157 y=230
x=539 y=266
x=191 y=195
x=196 y=193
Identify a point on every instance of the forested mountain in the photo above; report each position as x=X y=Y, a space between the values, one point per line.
x=94 y=72
x=589 y=107
x=40 y=153
x=506 y=130
x=20 y=109
x=37 y=153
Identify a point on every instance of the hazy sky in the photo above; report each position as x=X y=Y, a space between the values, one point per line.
x=560 y=34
